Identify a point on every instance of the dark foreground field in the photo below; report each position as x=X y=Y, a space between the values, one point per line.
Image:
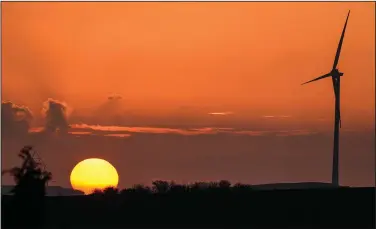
x=221 y=207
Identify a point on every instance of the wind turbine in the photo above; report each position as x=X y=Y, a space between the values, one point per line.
x=336 y=80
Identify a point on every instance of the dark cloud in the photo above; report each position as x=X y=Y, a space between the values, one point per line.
x=111 y=111
x=56 y=115
x=15 y=119
x=114 y=97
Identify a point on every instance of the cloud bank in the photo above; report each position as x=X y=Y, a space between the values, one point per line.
x=15 y=119
x=56 y=114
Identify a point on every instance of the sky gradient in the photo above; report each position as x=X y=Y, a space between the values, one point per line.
x=189 y=91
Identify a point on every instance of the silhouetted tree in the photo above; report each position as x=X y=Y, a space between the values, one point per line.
x=97 y=192
x=31 y=180
x=241 y=188
x=224 y=184
x=142 y=189
x=160 y=186
x=137 y=191
x=179 y=189
x=110 y=191
x=198 y=186
x=213 y=185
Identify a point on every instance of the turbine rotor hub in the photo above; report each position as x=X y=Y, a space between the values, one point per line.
x=336 y=73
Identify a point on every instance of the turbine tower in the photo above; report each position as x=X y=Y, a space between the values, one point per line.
x=336 y=80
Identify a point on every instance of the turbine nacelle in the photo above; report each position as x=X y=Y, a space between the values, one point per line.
x=336 y=73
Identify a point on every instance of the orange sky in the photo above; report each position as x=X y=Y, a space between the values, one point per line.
x=249 y=58
x=174 y=63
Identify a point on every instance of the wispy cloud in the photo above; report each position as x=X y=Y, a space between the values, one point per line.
x=125 y=132
x=252 y=132
x=36 y=129
x=277 y=116
x=152 y=130
x=118 y=135
x=86 y=133
x=80 y=132
x=221 y=113
x=295 y=133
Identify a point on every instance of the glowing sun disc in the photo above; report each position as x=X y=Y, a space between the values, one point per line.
x=93 y=173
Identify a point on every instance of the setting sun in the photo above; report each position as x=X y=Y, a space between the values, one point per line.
x=93 y=173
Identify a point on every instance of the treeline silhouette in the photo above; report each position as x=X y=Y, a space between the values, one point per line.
x=214 y=204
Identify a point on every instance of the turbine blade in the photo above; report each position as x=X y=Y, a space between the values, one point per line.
x=340 y=43
x=318 y=78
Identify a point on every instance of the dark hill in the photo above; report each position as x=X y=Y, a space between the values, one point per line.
x=51 y=191
x=301 y=185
